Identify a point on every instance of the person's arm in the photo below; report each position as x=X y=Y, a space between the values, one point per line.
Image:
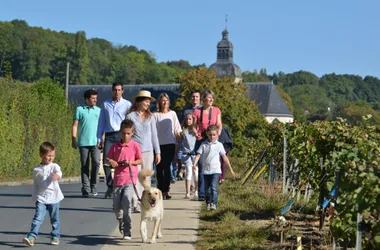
x=101 y=124
x=156 y=144
x=195 y=127
x=219 y=123
x=177 y=125
x=111 y=157
x=195 y=163
x=225 y=159
x=178 y=148
x=74 y=134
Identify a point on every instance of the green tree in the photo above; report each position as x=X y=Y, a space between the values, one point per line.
x=80 y=61
x=240 y=114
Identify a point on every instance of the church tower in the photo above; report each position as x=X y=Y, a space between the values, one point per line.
x=224 y=65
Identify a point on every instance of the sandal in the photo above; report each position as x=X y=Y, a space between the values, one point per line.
x=187 y=196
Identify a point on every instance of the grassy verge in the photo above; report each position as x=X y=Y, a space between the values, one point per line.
x=243 y=218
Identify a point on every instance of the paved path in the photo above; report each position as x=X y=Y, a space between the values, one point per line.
x=89 y=223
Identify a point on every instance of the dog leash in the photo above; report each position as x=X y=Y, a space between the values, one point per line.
x=123 y=164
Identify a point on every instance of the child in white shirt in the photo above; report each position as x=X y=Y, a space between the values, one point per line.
x=211 y=150
x=46 y=194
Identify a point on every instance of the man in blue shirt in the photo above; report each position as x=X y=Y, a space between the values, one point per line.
x=84 y=128
x=113 y=112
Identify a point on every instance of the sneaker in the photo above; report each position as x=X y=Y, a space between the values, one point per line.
x=172 y=181
x=29 y=241
x=208 y=207
x=137 y=209
x=121 y=227
x=108 y=193
x=93 y=192
x=85 y=193
x=213 y=206
x=195 y=197
x=54 y=241
x=127 y=236
x=201 y=199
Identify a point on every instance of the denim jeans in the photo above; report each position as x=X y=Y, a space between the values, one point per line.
x=211 y=186
x=173 y=171
x=201 y=183
x=110 y=138
x=87 y=180
x=39 y=218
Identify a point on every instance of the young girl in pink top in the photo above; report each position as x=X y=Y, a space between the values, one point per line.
x=124 y=156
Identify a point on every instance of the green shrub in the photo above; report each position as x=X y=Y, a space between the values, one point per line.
x=30 y=114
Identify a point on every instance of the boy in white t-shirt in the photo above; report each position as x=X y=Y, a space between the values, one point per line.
x=211 y=150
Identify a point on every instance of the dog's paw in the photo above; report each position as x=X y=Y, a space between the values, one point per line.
x=152 y=241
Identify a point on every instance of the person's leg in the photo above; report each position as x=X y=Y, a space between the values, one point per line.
x=126 y=203
x=167 y=156
x=214 y=189
x=207 y=184
x=109 y=140
x=37 y=219
x=188 y=177
x=173 y=172
x=135 y=203
x=117 y=196
x=54 y=219
x=95 y=162
x=201 y=187
x=147 y=163
x=84 y=153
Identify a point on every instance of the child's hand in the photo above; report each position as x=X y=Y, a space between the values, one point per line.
x=113 y=163
x=195 y=170
x=233 y=174
x=54 y=176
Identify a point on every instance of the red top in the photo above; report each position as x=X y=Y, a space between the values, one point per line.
x=205 y=123
x=125 y=152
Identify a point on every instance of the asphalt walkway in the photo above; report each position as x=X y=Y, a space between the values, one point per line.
x=179 y=228
x=90 y=223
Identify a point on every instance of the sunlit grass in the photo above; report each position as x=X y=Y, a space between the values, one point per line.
x=243 y=218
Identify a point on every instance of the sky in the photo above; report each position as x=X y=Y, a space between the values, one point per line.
x=322 y=37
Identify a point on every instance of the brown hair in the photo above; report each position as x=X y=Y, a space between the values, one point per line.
x=46 y=147
x=127 y=123
x=137 y=101
x=212 y=128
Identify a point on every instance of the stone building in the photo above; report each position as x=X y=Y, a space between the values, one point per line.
x=264 y=94
x=224 y=65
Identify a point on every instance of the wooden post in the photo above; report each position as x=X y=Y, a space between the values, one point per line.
x=67 y=83
x=358 y=233
x=284 y=169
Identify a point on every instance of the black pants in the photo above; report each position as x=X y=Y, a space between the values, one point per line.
x=163 y=169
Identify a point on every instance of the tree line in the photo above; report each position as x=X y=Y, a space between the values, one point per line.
x=32 y=53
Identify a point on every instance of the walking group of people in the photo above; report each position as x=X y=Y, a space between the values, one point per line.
x=132 y=138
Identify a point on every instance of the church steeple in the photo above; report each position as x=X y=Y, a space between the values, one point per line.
x=224 y=65
x=225 y=48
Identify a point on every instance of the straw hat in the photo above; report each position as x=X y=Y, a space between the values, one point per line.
x=144 y=93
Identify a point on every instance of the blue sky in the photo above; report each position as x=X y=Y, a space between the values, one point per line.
x=322 y=37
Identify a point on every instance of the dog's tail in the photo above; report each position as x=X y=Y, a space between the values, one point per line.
x=142 y=177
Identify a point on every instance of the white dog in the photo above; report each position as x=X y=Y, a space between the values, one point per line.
x=152 y=207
